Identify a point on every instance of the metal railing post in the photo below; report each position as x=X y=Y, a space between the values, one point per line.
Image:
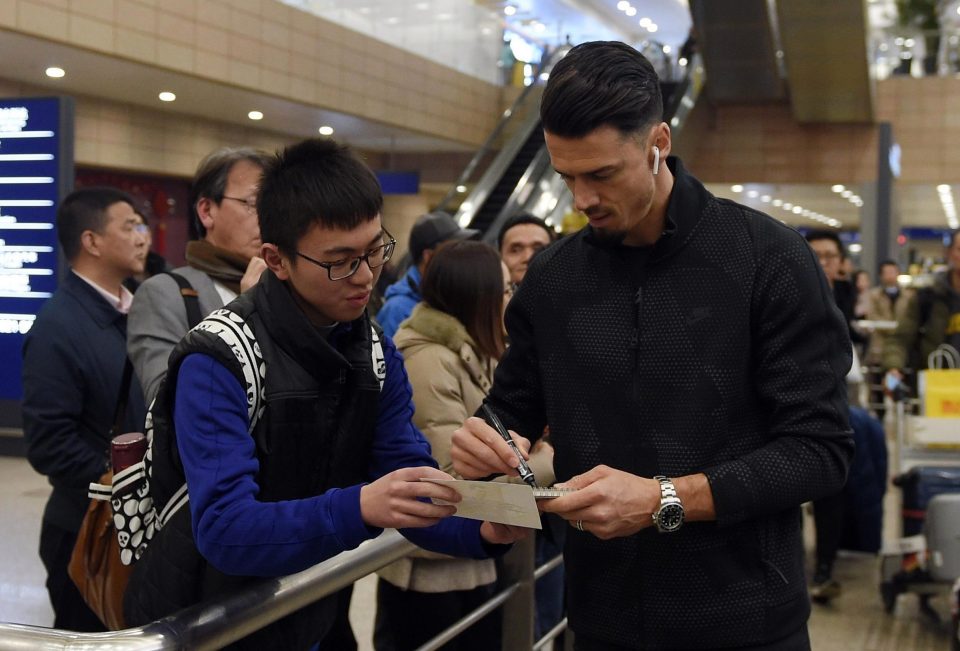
x=517 y=567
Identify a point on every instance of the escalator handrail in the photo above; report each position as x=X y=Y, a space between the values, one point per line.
x=508 y=115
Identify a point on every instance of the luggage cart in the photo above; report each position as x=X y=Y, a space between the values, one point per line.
x=928 y=466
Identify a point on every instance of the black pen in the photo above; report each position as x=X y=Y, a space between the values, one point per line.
x=525 y=473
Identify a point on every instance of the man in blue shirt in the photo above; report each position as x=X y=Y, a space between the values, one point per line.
x=429 y=232
x=291 y=414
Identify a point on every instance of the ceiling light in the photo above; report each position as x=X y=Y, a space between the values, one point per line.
x=736 y=188
x=422 y=6
x=787 y=205
x=392 y=20
x=909 y=43
x=797 y=210
x=667 y=49
x=255 y=115
x=539 y=27
x=837 y=188
x=943 y=188
x=55 y=72
x=630 y=11
x=645 y=21
x=855 y=248
x=682 y=61
x=777 y=203
x=167 y=96
x=846 y=194
x=461 y=189
x=652 y=27
x=622 y=5
x=753 y=194
x=509 y=10
x=325 y=130
x=765 y=198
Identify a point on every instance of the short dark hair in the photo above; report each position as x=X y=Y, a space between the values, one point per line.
x=85 y=210
x=522 y=218
x=464 y=279
x=889 y=263
x=317 y=181
x=210 y=179
x=815 y=235
x=601 y=83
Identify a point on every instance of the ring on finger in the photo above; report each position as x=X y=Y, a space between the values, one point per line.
x=579 y=525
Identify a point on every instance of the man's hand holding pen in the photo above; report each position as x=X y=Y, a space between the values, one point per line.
x=479 y=451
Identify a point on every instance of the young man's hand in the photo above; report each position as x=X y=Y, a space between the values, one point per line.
x=393 y=501
x=502 y=534
x=251 y=276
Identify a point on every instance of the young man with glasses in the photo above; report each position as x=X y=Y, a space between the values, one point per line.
x=224 y=260
x=333 y=457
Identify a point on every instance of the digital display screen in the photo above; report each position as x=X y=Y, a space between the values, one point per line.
x=36 y=170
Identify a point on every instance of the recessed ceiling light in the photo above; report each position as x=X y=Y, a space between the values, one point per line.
x=55 y=72
x=837 y=188
x=645 y=22
x=736 y=188
x=622 y=5
x=167 y=96
x=255 y=115
x=787 y=205
x=797 y=210
x=846 y=194
x=461 y=189
x=667 y=49
x=392 y=20
x=753 y=194
x=509 y=10
x=777 y=203
x=325 y=130
x=652 y=27
x=765 y=198
x=943 y=187
x=630 y=11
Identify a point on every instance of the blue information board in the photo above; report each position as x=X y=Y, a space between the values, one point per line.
x=36 y=171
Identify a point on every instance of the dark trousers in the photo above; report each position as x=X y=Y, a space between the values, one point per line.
x=796 y=641
x=70 y=611
x=828 y=520
x=407 y=619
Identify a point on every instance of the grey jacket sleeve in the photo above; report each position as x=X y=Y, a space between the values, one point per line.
x=156 y=322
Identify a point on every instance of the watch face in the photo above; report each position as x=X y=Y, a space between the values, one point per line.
x=670 y=517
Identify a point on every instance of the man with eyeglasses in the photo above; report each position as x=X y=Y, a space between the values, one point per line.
x=224 y=260
x=333 y=457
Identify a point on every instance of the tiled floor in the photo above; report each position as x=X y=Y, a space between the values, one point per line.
x=855 y=621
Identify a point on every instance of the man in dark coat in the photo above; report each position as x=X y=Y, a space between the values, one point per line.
x=73 y=360
x=688 y=357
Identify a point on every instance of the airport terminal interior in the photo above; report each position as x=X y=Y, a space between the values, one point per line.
x=839 y=116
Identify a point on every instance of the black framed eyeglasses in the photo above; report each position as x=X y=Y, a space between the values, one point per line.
x=376 y=257
x=249 y=204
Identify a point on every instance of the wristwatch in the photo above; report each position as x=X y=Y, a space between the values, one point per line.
x=669 y=517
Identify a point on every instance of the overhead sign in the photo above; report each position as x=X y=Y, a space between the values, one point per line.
x=36 y=170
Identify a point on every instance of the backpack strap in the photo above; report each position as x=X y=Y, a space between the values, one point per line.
x=191 y=299
x=376 y=353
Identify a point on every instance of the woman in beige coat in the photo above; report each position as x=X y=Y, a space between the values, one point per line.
x=450 y=344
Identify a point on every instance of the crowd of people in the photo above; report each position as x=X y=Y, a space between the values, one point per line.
x=681 y=362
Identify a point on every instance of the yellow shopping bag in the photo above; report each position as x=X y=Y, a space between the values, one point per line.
x=940 y=391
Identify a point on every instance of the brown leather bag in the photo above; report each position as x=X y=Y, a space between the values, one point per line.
x=95 y=565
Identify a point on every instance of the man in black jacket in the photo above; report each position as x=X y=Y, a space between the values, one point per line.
x=688 y=357
x=73 y=361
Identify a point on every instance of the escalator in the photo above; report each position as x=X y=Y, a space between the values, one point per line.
x=520 y=178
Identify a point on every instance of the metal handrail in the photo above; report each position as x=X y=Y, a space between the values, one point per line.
x=213 y=625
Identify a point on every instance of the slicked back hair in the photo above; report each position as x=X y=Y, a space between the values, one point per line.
x=601 y=83
x=210 y=179
x=317 y=181
x=85 y=210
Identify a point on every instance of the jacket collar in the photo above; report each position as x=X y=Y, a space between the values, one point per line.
x=292 y=332
x=103 y=314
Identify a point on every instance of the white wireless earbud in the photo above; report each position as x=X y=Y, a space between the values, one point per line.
x=656 y=160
